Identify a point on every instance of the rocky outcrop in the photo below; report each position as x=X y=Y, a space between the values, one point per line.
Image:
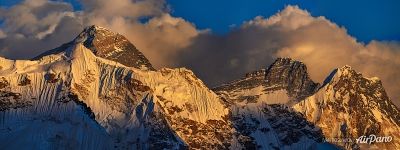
x=287 y=80
x=292 y=76
x=350 y=106
x=100 y=92
x=109 y=45
x=98 y=103
x=346 y=106
x=259 y=111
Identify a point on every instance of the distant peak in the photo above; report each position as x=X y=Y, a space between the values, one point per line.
x=346 y=67
x=343 y=72
x=291 y=75
x=106 y=44
x=95 y=28
x=90 y=28
x=98 y=27
x=283 y=59
x=347 y=70
x=90 y=32
x=286 y=61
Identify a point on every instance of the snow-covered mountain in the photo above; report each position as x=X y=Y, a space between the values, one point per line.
x=260 y=106
x=106 y=44
x=99 y=92
x=347 y=106
x=284 y=82
x=71 y=98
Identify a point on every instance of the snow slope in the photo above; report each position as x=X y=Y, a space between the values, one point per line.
x=259 y=109
x=99 y=92
x=349 y=106
x=346 y=106
x=107 y=44
x=106 y=103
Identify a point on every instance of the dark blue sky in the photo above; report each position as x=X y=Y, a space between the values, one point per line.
x=364 y=19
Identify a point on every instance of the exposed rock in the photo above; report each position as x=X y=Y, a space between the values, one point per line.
x=109 y=45
x=349 y=106
x=258 y=104
x=292 y=76
x=11 y=100
x=24 y=80
x=99 y=92
x=51 y=78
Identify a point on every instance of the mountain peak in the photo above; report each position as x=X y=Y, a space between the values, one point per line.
x=348 y=72
x=291 y=75
x=106 y=44
x=113 y=46
x=362 y=104
x=284 y=74
x=90 y=32
x=281 y=61
x=346 y=67
x=96 y=28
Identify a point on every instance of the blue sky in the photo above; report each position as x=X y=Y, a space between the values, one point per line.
x=364 y=19
x=179 y=44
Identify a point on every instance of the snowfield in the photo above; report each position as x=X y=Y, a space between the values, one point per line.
x=99 y=92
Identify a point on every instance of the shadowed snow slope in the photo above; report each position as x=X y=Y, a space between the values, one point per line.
x=74 y=98
x=99 y=92
x=349 y=106
x=109 y=45
x=259 y=106
x=291 y=109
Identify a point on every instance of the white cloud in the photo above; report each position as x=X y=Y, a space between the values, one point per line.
x=160 y=39
x=294 y=33
x=34 y=26
x=172 y=41
x=42 y=25
x=291 y=18
x=323 y=45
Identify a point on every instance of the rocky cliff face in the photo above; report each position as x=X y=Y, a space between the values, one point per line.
x=259 y=107
x=346 y=106
x=109 y=45
x=73 y=98
x=99 y=92
x=292 y=76
x=350 y=106
x=285 y=82
x=85 y=102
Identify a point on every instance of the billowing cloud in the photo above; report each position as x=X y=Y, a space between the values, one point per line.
x=33 y=26
x=294 y=33
x=170 y=41
x=160 y=38
x=43 y=25
x=323 y=45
